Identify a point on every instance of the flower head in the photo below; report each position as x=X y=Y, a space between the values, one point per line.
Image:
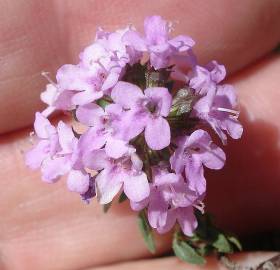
x=144 y=134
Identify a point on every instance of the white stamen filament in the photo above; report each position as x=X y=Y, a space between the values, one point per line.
x=233 y=112
x=46 y=75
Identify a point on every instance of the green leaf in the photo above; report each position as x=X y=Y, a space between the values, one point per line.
x=106 y=207
x=186 y=252
x=235 y=242
x=146 y=231
x=122 y=197
x=182 y=102
x=222 y=244
x=102 y=102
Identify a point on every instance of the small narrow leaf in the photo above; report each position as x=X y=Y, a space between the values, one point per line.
x=102 y=102
x=186 y=252
x=106 y=207
x=122 y=197
x=235 y=242
x=146 y=231
x=222 y=244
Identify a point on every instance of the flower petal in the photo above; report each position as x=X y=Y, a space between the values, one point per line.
x=177 y=160
x=134 y=39
x=218 y=72
x=130 y=124
x=35 y=157
x=187 y=220
x=157 y=133
x=195 y=175
x=85 y=97
x=42 y=126
x=49 y=96
x=75 y=77
x=156 y=30
x=116 y=148
x=78 y=181
x=52 y=169
x=182 y=43
x=92 y=54
x=90 y=114
x=92 y=139
x=234 y=128
x=166 y=179
x=157 y=210
x=213 y=157
x=138 y=206
x=198 y=137
x=160 y=60
x=136 y=187
x=170 y=222
x=111 y=80
x=108 y=186
x=161 y=97
x=96 y=159
x=66 y=137
x=126 y=94
x=64 y=101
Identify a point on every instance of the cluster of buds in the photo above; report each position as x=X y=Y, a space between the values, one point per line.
x=146 y=118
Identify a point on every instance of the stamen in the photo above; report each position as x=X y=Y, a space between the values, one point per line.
x=31 y=137
x=46 y=75
x=233 y=112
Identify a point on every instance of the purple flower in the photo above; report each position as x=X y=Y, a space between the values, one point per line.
x=157 y=43
x=218 y=109
x=146 y=110
x=56 y=100
x=53 y=154
x=104 y=129
x=84 y=81
x=109 y=47
x=125 y=172
x=110 y=55
x=170 y=200
x=205 y=79
x=48 y=144
x=192 y=153
x=76 y=85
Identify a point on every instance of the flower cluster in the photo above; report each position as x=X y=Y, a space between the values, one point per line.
x=146 y=124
